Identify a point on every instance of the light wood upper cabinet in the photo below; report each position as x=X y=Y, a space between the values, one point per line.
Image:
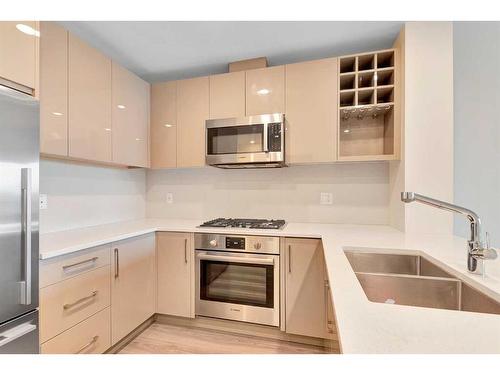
x=175 y=274
x=89 y=102
x=18 y=55
x=311 y=111
x=130 y=118
x=265 y=90
x=305 y=288
x=132 y=284
x=192 y=112
x=164 y=125
x=54 y=89
x=227 y=95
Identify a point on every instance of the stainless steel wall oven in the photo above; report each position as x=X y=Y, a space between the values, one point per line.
x=238 y=277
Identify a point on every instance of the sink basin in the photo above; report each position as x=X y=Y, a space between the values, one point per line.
x=413 y=280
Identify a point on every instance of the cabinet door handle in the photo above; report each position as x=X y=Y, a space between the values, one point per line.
x=185 y=250
x=289 y=258
x=70 y=305
x=91 y=260
x=117 y=263
x=89 y=344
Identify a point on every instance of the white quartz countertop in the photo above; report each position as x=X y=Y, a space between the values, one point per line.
x=363 y=326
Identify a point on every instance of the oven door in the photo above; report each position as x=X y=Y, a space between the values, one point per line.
x=238 y=286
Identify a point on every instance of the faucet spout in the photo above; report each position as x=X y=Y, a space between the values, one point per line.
x=474 y=242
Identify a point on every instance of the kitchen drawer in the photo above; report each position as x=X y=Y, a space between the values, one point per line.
x=92 y=336
x=71 y=301
x=66 y=266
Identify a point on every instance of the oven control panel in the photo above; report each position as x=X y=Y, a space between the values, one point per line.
x=235 y=243
x=251 y=244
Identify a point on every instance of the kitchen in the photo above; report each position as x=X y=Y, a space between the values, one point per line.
x=282 y=198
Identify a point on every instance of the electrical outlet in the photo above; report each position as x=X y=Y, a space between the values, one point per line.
x=170 y=198
x=326 y=198
x=44 y=202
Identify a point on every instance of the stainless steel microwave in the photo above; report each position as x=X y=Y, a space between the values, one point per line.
x=247 y=142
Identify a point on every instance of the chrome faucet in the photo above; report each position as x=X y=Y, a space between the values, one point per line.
x=475 y=249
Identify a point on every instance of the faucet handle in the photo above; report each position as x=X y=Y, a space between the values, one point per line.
x=487 y=240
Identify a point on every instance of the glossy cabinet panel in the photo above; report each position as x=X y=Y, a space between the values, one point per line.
x=305 y=298
x=18 y=59
x=311 y=111
x=227 y=95
x=265 y=90
x=192 y=112
x=130 y=118
x=163 y=125
x=132 y=284
x=175 y=274
x=92 y=336
x=89 y=102
x=53 y=89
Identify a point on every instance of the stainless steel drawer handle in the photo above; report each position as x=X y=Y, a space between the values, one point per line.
x=91 y=260
x=88 y=345
x=289 y=258
x=185 y=250
x=70 y=305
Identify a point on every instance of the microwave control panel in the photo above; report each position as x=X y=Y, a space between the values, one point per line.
x=274 y=137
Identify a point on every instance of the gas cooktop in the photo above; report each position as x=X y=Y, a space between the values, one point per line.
x=244 y=223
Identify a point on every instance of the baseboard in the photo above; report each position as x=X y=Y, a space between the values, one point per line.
x=132 y=335
x=248 y=329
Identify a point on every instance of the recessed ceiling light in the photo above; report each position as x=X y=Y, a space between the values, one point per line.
x=27 y=29
x=121 y=106
x=263 y=91
x=57 y=113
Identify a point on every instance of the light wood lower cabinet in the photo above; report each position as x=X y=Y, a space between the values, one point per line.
x=64 y=304
x=92 y=336
x=305 y=301
x=132 y=284
x=175 y=259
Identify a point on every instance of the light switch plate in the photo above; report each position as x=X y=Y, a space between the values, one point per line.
x=44 y=202
x=326 y=198
x=170 y=198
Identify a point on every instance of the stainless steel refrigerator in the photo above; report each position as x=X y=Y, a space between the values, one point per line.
x=19 y=159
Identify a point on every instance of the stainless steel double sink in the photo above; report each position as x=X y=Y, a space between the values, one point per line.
x=413 y=280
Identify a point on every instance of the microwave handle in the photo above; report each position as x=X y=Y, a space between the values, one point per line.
x=235 y=259
x=265 y=146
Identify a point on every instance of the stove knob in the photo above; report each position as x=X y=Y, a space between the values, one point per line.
x=257 y=246
x=213 y=243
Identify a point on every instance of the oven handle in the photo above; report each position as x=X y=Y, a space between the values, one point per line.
x=235 y=259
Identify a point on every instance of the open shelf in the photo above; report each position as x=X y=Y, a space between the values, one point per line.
x=348 y=64
x=348 y=82
x=368 y=129
x=366 y=62
x=366 y=97
x=385 y=77
x=366 y=79
x=385 y=94
x=348 y=98
x=385 y=59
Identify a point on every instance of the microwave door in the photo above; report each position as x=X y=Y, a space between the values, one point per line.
x=240 y=139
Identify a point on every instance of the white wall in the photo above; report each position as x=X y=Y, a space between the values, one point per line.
x=477 y=124
x=81 y=195
x=427 y=166
x=360 y=193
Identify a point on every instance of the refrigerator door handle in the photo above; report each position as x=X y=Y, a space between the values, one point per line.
x=16 y=332
x=26 y=230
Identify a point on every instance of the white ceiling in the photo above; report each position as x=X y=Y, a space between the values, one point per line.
x=167 y=50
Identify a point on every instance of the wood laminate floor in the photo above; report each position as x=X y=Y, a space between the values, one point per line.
x=162 y=338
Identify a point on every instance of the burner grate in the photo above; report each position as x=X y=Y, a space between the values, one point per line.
x=244 y=223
